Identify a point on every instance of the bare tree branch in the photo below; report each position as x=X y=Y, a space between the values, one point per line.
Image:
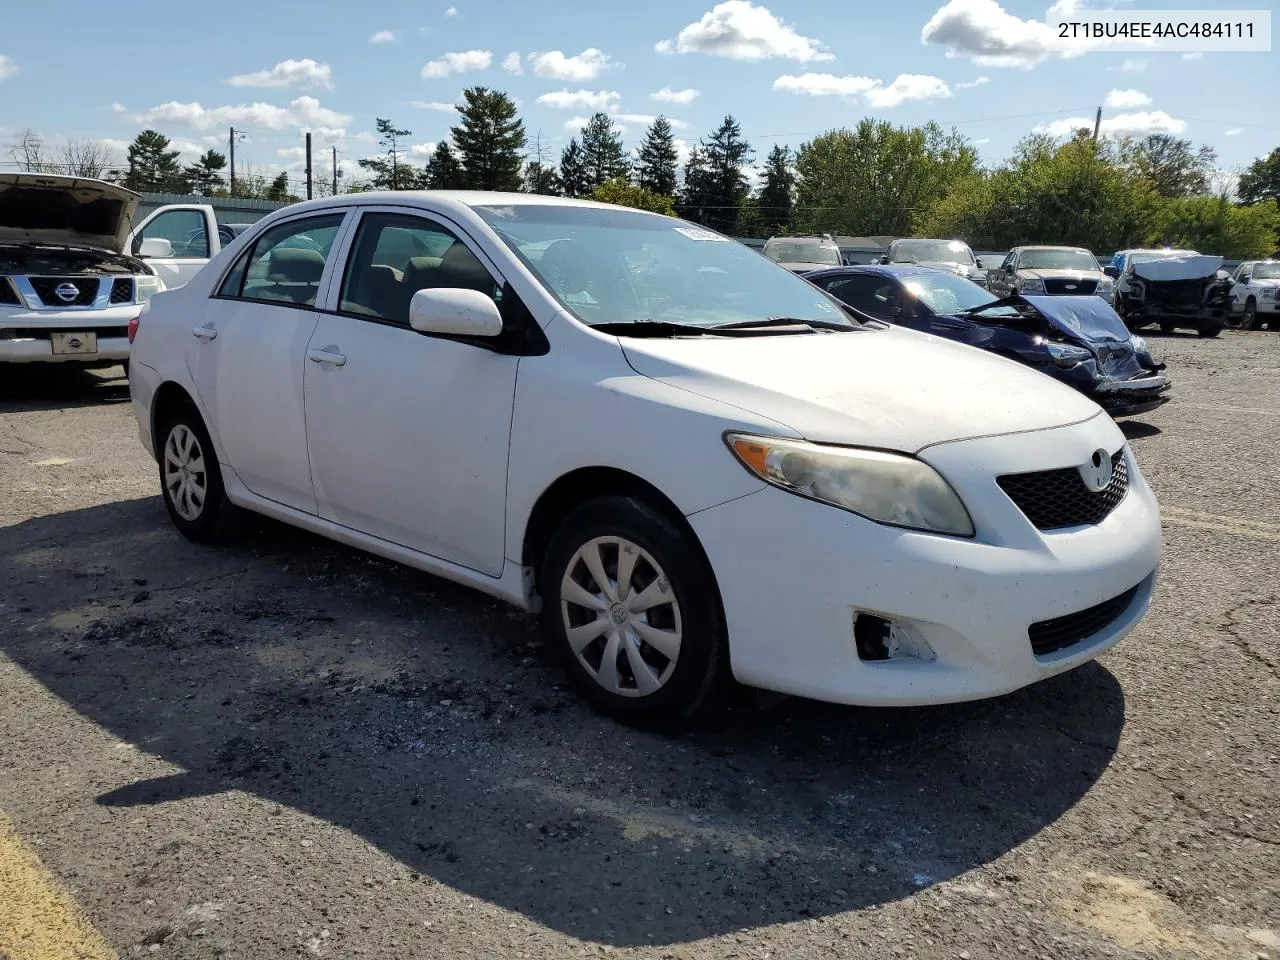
x=88 y=158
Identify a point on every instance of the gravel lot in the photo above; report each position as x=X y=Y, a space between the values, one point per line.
x=282 y=747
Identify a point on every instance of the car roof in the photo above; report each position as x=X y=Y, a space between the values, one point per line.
x=437 y=199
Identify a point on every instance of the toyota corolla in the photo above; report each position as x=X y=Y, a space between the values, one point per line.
x=696 y=465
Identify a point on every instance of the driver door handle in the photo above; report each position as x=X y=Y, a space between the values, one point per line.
x=206 y=332
x=327 y=354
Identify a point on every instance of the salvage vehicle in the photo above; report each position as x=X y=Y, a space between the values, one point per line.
x=953 y=255
x=1076 y=339
x=1172 y=288
x=695 y=464
x=1051 y=271
x=73 y=279
x=801 y=254
x=1255 y=286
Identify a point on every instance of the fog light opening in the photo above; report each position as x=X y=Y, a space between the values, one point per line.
x=879 y=638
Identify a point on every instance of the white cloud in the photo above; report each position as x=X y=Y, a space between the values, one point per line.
x=212 y=140
x=982 y=142
x=422 y=151
x=118 y=107
x=1131 y=65
x=554 y=65
x=683 y=149
x=462 y=61
x=288 y=73
x=1126 y=99
x=511 y=63
x=364 y=136
x=667 y=95
x=907 y=86
x=302 y=112
x=292 y=153
x=991 y=36
x=1234 y=132
x=740 y=30
x=383 y=36
x=644 y=119
x=7 y=67
x=1121 y=125
x=438 y=105
x=576 y=123
x=1192 y=56
x=327 y=136
x=451 y=12
x=579 y=99
x=969 y=85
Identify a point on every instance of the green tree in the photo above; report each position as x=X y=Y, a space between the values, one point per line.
x=279 y=188
x=389 y=171
x=205 y=175
x=602 y=155
x=877 y=178
x=443 y=172
x=1216 y=225
x=1261 y=181
x=1174 y=166
x=489 y=139
x=697 y=197
x=541 y=178
x=724 y=185
x=621 y=191
x=657 y=159
x=153 y=166
x=573 y=170
x=773 y=206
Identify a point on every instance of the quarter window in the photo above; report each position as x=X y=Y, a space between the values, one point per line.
x=285 y=264
x=394 y=256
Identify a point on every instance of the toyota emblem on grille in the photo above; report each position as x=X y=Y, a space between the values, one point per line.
x=66 y=291
x=1097 y=472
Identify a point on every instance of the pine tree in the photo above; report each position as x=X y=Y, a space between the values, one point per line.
x=657 y=158
x=541 y=178
x=725 y=154
x=390 y=172
x=443 y=172
x=573 y=171
x=152 y=165
x=603 y=156
x=489 y=139
x=697 y=195
x=279 y=189
x=775 y=201
x=205 y=175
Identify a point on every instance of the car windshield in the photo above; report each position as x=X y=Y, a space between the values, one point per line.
x=1267 y=271
x=945 y=293
x=932 y=251
x=613 y=265
x=1057 y=260
x=800 y=252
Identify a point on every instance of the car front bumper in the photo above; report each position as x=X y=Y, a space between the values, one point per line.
x=26 y=336
x=1125 y=398
x=791 y=600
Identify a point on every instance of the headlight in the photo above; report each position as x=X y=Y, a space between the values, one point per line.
x=1067 y=355
x=1268 y=293
x=147 y=287
x=1106 y=287
x=886 y=487
x=1139 y=344
x=1032 y=285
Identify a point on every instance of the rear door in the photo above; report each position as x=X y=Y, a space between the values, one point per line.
x=191 y=231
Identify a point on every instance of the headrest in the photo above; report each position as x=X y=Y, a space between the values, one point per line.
x=292 y=265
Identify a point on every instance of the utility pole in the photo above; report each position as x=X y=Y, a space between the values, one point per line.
x=335 y=171
x=308 y=164
x=231 y=140
x=1097 y=124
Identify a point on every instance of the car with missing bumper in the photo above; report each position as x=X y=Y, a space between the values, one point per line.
x=696 y=465
x=1176 y=289
x=1050 y=271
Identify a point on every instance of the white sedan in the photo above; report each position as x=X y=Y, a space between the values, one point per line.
x=695 y=465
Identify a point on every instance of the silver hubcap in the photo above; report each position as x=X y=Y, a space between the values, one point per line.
x=185 y=481
x=621 y=616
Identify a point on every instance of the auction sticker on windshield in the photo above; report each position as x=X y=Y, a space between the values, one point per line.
x=693 y=233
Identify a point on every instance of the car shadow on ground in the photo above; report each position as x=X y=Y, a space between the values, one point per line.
x=426 y=719
x=1138 y=429
x=30 y=387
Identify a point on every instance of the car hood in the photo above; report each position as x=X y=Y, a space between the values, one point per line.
x=1046 y=274
x=889 y=388
x=963 y=269
x=1085 y=318
x=72 y=211
x=1197 y=267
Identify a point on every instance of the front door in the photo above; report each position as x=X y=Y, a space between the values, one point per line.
x=187 y=230
x=409 y=434
x=246 y=353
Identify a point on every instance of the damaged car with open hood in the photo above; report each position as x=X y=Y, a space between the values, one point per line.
x=1076 y=339
x=1176 y=289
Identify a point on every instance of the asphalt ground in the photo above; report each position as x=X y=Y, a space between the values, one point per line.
x=281 y=747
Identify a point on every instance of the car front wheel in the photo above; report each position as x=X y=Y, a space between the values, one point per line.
x=632 y=608
x=190 y=478
x=1250 y=317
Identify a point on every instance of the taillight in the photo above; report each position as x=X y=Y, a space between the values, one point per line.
x=133 y=327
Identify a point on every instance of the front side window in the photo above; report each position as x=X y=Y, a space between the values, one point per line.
x=624 y=266
x=394 y=256
x=184 y=229
x=871 y=294
x=285 y=264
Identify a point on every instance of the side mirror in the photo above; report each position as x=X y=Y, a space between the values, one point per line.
x=1244 y=278
x=152 y=248
x=455 y=310
x=1112 y=272
x=844 y=261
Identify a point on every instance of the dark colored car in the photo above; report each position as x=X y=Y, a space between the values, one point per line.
x=1076 y=339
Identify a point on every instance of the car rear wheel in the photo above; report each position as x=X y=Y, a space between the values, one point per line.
x=632 y=609
x=1250 y=317
x=1212 y=331
x=190 y=479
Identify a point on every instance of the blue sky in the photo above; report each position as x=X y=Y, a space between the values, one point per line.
x=787 y=69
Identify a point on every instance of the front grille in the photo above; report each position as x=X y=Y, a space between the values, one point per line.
x=1058 y=286
x=8 y=295
x=122 y=290
x=86 y=290
x=1049 y=636
x=1053 y=499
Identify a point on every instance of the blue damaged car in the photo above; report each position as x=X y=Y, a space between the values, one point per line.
x=1079 y=340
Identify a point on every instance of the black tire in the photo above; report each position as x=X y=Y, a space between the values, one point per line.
x=698 y=675
x=1212 y=331
x=1249 y=319
x=216 y=517
x=125 y=364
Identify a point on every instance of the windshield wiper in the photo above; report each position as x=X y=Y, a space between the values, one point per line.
x=784 y=322
x=651 y=328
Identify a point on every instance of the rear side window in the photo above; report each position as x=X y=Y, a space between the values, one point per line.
x=285 y=264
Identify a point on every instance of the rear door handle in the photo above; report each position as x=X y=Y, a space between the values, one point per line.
x=328 y=355
x=207 y=332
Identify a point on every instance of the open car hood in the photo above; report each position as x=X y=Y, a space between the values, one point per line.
x=1197 y=267
x=74 y=211
x=1088 y=318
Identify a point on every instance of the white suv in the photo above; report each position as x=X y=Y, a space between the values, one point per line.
x=1255 y=289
